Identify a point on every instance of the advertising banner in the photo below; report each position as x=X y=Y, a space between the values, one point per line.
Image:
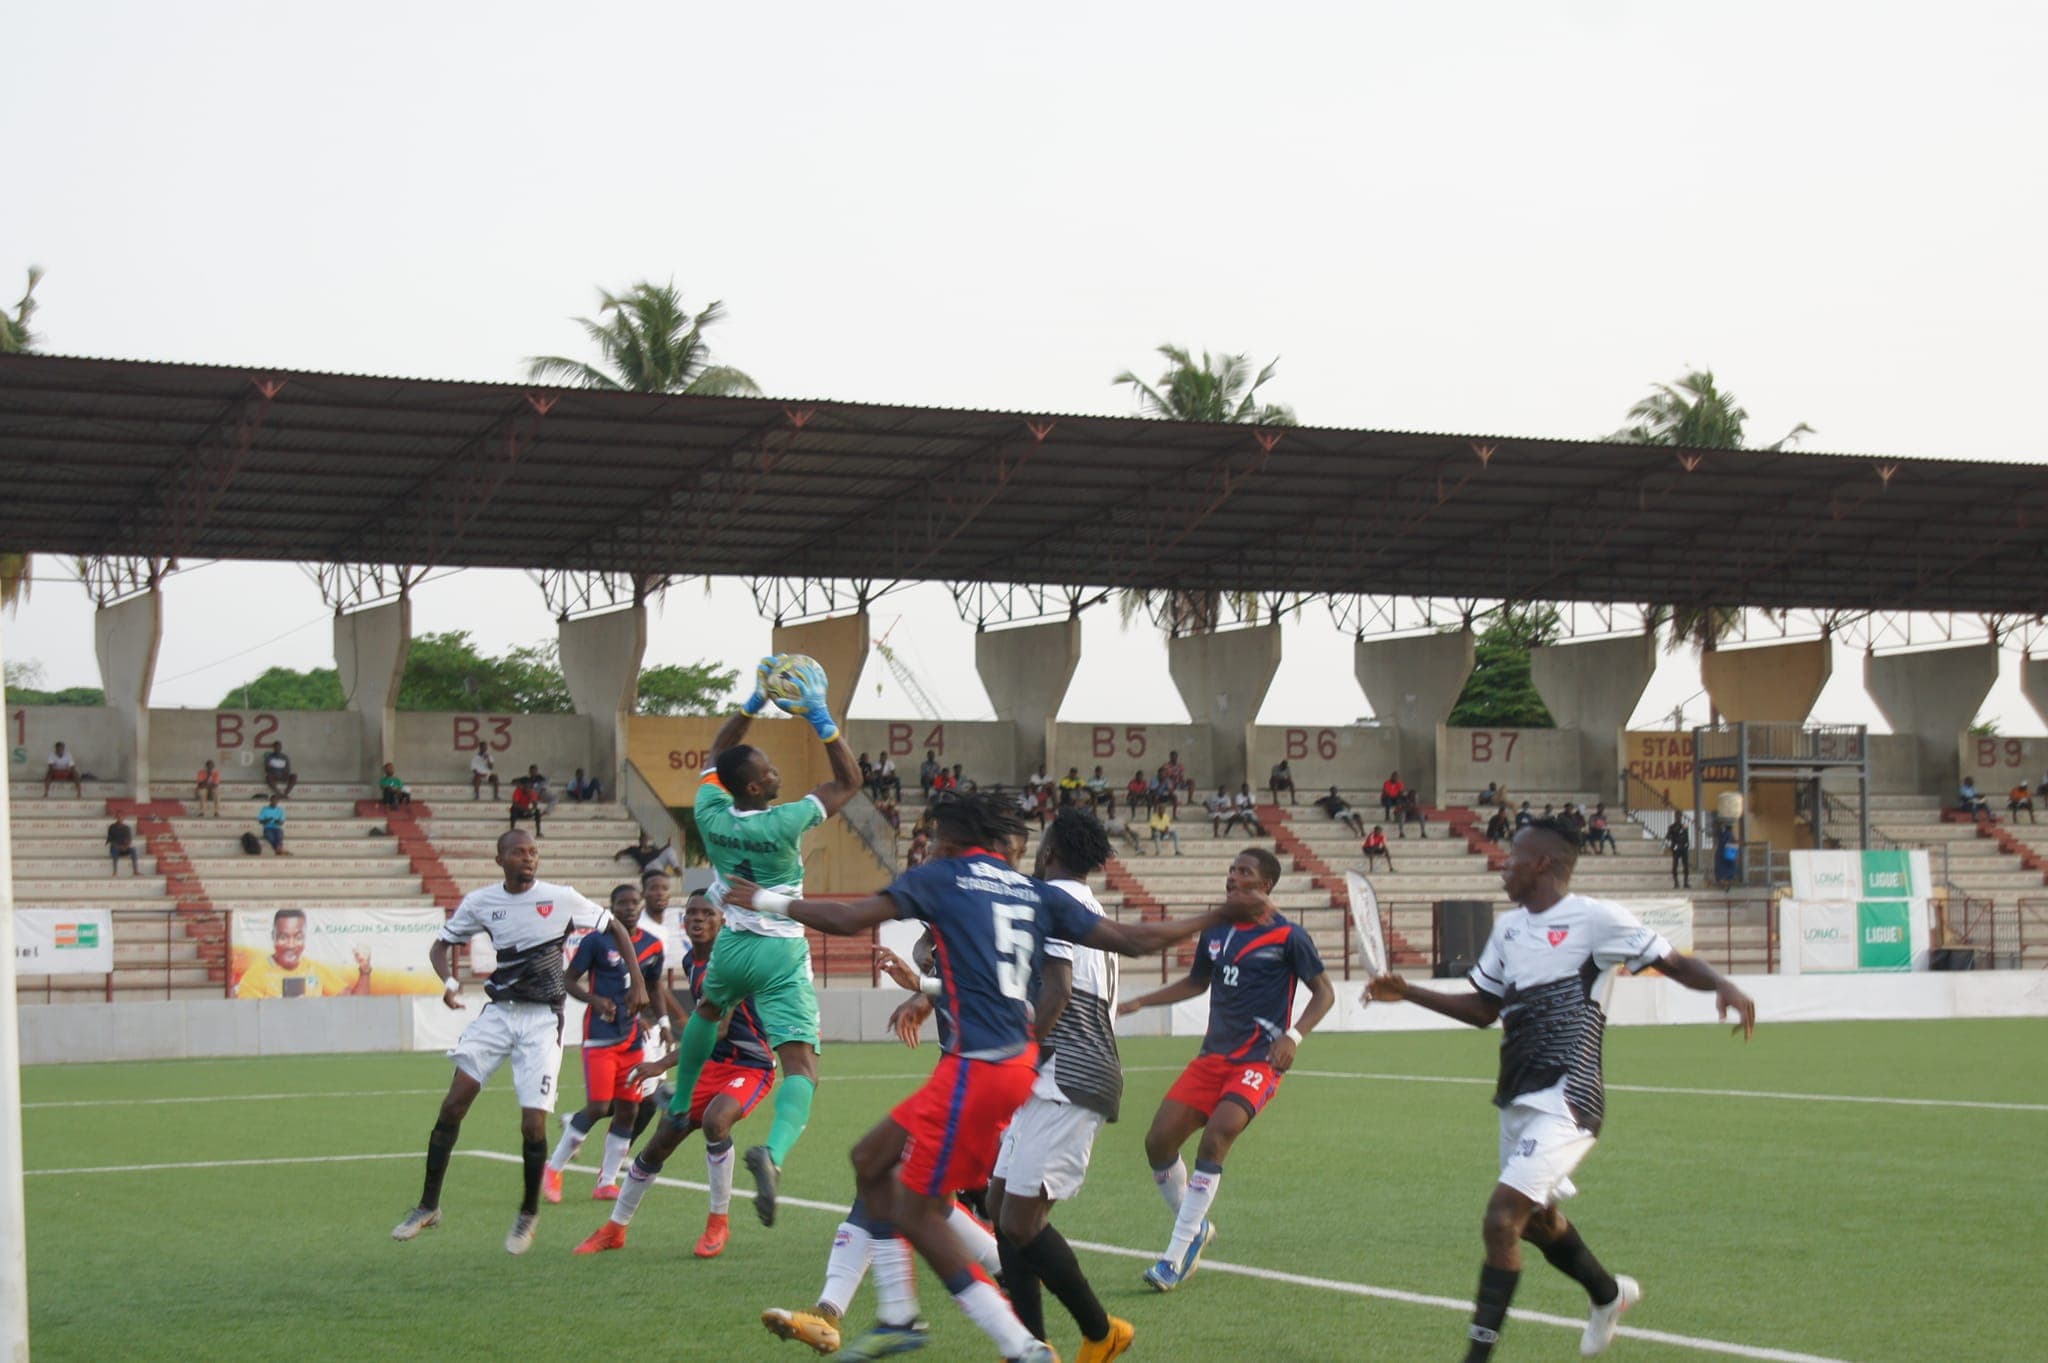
x=1843 y=936
x=63 y=941
x=1827 y=936
x=322 y=952
x=1672 y=918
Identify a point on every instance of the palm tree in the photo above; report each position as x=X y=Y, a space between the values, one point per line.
x=1219 y=388
x=17 y=339
x=651 y=344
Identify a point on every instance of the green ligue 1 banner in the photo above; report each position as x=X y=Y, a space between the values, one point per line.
x=1856 y=911
x=63 y=941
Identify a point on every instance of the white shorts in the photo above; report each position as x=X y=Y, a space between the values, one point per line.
x=1538 y=1151
x=1046 y=1149
x=529 y=1035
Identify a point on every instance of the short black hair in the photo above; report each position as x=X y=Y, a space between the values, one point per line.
x=646 y=877
x=283 y=914
x=980 y=819
x=1269 y=865
x=1566 y=835
x=618 y=890
x=734 y=765
x=1077 y=841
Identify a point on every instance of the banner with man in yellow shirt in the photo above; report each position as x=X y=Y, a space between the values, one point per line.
x=329 y=953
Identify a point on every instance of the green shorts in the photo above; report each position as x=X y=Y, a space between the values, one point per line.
x=775 y=972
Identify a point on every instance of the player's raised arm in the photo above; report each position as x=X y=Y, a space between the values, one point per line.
x=810 y=706
x=1142 y=939
x=1181 y=989
x=1696 y=974
x=835 y=918
x=734 y=731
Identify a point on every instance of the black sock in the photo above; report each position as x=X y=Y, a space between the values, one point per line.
x=1020 y=1282
x=1568 y=1255
x=440 y=1145
x=1052 y=1259
x=648 y=1109
x=535 y=1156
x=1490 y=1311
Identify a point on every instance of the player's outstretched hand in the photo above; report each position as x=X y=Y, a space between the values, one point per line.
x=908 y=1020
x=1385 y=989
x=758 y=702
x=1726 y=998
x=897 y=969
x=739 y=892
x=1128 y=1007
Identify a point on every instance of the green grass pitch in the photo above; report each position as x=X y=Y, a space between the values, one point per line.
x=1873 y=1233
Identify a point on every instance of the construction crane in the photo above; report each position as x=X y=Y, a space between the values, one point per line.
x=905 y=678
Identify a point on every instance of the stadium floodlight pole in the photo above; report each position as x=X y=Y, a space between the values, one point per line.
x=13 y=1249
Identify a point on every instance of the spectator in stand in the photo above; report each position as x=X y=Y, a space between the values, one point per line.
x=1282 y=778
x=1340 y=810
x=62 y=767
x=526 y=805
x=920 y=848
x=1100 y=796
x=1576 y=817
x=121 y=843
x=2021 y=801
x=1029 y=801
x=1391 y=791
x=928 y=773
x=1248 y=810
x=278 y=773
x=867 y=774
x=206 y=789
x=961 y=783
x=647 y=856
x=1523 y=818
x=1165 y=791
x=585 y=789
x=1375 y=848
x=482 y=771
x=1678 y=839
x=943 y=785
x=1036 y=779
x=1122 y=830
x=1549 y=813
x=886 y=778
x=1222 y=813
x=543 y=793
x=1597 y=831
x=1408 y=811
x=1138 y=794
x=391 y=791
x=1071 y=786
x=271 y=817
x=1970 y=802
x=1162 y=827
x=886 y=807
x=1177 y=777
x=1500 y=827
x=1727 y=856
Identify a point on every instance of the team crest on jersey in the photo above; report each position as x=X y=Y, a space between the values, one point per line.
x=545 y=907
x=1557 y=935
x=1215 y=950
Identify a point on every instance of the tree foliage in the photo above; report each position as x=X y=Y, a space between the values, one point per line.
x=24 y=686
x=1215 y=388
x=283 y=688
x=648 y=343
x=701 y=688
x=1500 y=693
x=17 y=339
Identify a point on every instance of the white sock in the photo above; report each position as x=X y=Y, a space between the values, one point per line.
x=1173 y=1183
x=718 y=1173
x=990 y=1309
x=848 y=1264
x=895 y=1289
x=617 y=1145
x=1194 y=1209
x=566 y=1148
x=976 y=1239
x=630 y=1193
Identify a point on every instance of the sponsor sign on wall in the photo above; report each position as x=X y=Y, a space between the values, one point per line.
x=63 y=941
x=1859 y=910
x=322 y=952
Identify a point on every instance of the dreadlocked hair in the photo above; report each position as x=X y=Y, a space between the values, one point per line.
x=1077 y=841
x=980 y=819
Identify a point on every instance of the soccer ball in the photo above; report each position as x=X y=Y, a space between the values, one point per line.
x=782 y=685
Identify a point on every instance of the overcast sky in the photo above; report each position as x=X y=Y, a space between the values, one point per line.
x=1488 y=217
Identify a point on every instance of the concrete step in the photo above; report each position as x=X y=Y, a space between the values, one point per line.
x=88 y=889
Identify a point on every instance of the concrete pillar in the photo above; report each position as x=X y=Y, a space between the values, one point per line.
x=1593 y=688
x=126 y=637
x=1933 y=696
x=1026 y=673
x=2034 y=682
x=601 y=663
x=1223 y=679
x=835 y=861
x=1780 y=682
x=840 y=645
x=1413 y=685
x=370 y=648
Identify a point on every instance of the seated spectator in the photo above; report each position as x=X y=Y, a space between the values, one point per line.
x=1391 y=791
x=62 y=767
x=1099 y=793
x=1164 y=789
x=543 y=794
x=1499 y=828
x=920 y=849
x=644 y=853
x=121 y=845
x=1028 y=802
x=277 y=772
x=1375 y=848
x=1248 y=811
x=391 y=791
x=1970 y=802
x=867 y=774
x=1177 y=777
x=2021 y=801
x=1122 y=831
x=584 y=789
x=1490 y=795
x=1222 y=813
x=928 y=773
x=482 y=771
x=525 y=804
x=1138 y=794
x=271 y=817
x=206 y=789
x=1576 y=817
x=1036 y=779
x=944 y=785
x=961 y=783
x=1408 y=811
x=1071 y=786
x=886 y=807
x=1597 y=831
x=1523 y=818
x=1282 y=778
x=1162 y=827
x=886 y=778
x=1340 y=810
x=1549 y=813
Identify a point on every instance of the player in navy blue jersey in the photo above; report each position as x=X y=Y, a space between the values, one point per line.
x=614 y=1041
x=1250 y=971
x=988 y=923
x=739 y=1074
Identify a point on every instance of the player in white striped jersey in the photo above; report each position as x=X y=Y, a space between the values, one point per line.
x=1080 y=1085
x=527 y=920
x=1545 y=974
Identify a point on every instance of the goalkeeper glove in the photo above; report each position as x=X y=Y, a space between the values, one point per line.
x=758 y=702
x=809 y=705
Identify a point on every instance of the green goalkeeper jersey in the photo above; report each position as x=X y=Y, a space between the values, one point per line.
x=761 y=845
